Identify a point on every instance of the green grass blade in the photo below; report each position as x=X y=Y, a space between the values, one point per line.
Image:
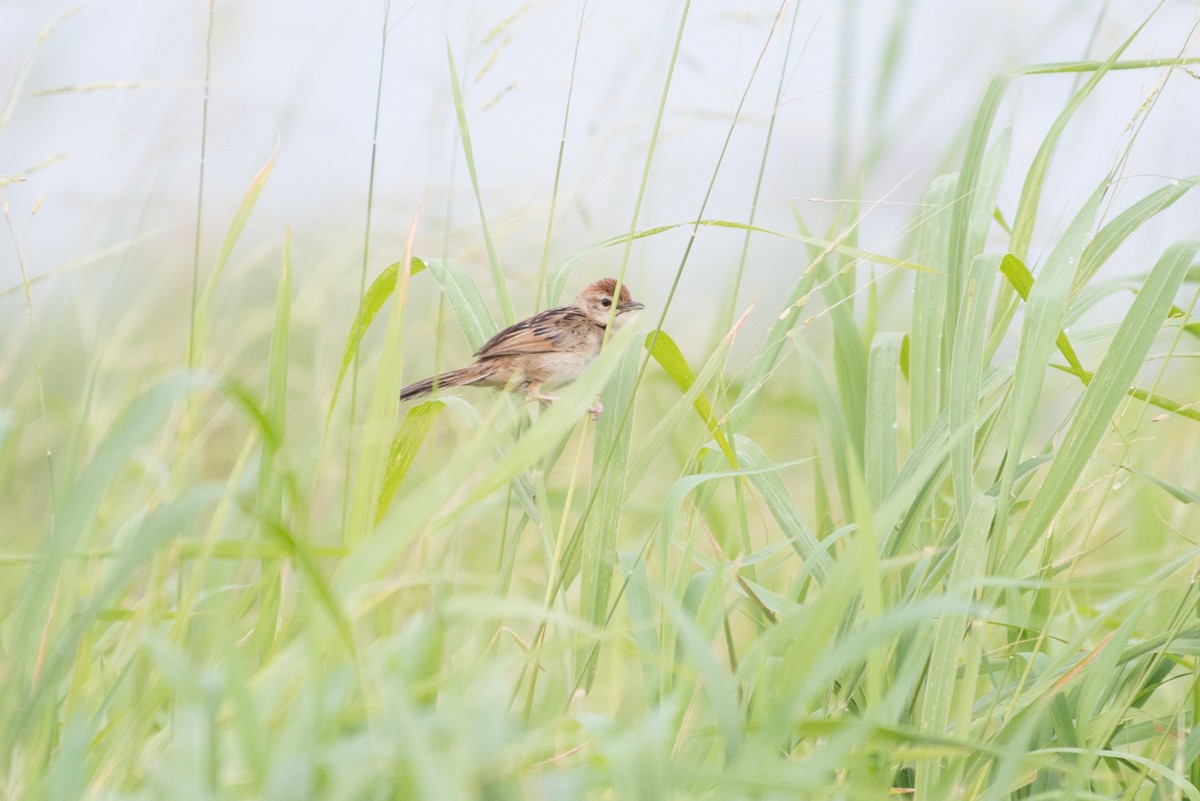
x=785 y=511
x=965 y=195
x=610 y=467
x=1031 y=191
x=966 y=374
x=664 y=351
x=464 y=132
x=1063 y=67
x=849 y=359
x=1113 y=234
x=275 y=406
x=650 y=446
x=941 y=683
x=1106 y=391
x=372 y=301
x=472 y=311
x=198 y=339
x=379 y=424
x=882 y=445
x=1021 y=280
x=930 y=292
x=415 y=426
x=1048 y=299
x=270 y=482
x=992 y=171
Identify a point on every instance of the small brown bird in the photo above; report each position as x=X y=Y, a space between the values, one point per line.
x=551 y=347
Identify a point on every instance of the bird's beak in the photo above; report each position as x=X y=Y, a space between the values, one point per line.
x=632 y=305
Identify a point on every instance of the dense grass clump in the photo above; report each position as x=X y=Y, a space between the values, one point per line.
x=932 y=531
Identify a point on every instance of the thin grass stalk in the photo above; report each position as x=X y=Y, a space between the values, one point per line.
x=555 y=561
x=362 y=276
x=191 y=355
x=37 y=356
x=654 y=334
x=735 y=290
x=630 y=235
x=464 y=134
x=558 y=165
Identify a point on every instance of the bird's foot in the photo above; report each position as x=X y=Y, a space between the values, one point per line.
x=595 y=409
x=534 y=391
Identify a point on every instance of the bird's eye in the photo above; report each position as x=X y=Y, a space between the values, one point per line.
x=606 y=302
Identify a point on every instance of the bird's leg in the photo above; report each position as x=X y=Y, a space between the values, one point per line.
x=534 y=390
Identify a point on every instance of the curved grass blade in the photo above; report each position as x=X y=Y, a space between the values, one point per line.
x=377 y=294
x=473 y=313
x=651 y=445
x=1113 y=234
x=1021 y=280
x=408 y=440
x=464 y=133
x=198 y=338
x=1048 y=299
x=664 y=351
x=958 y=257
x=380 y=421
x=1102 y=396
x=1031 y=191
x=773 y=491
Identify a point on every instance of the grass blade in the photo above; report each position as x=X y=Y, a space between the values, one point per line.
x=1106 y=391
x=882 y=448
x=610 y=467
x=372 y=301
x=1048 y=299
x=198 y=339
x=473 y=313
x=966 y=374
x=380 y=420
x=664 y=351
x=415 y=426
x=464 y=133
x=1031 y=191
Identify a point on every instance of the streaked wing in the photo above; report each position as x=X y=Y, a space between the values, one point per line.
x=541 y=333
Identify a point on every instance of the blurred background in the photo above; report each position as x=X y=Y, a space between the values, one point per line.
x=102 y=125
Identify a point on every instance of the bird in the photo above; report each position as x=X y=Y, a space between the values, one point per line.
x=550 y=348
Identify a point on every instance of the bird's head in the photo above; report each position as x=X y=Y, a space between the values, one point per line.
x=596 y=301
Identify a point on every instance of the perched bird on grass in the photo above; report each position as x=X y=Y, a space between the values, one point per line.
x=551 y=347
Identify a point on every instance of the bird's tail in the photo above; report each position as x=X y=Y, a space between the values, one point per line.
x=455 y=378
